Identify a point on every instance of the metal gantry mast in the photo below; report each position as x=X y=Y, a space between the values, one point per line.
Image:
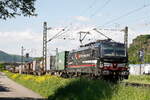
x=44 y=46
x=126 y=40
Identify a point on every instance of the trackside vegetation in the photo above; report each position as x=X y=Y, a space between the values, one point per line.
x=57 y=88
x=2 y=66
x=139 y=42
x=143 y=79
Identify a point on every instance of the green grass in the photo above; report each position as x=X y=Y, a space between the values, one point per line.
x=139 y=79
x=55 y=88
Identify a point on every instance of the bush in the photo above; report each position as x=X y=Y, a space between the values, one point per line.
x=2 y=67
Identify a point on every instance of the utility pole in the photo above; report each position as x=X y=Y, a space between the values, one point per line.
x=44 y=46
x=45 y=28
x=126 y=41
x=141 y=58
x=22 y=60
x=57 y=55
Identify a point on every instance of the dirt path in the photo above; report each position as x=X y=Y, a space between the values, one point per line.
x=9 y=90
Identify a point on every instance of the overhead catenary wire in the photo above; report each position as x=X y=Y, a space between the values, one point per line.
x=102 y=7
x=125 y=15
x=89 y=7
x=120 y=17
x=103 y=34
x=62 y=33
x=55 y=35
x=140 y=21
x=59 y=33
x=108 y=29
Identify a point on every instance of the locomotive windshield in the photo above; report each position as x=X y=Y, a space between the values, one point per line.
x=108 y=50
x=113 y=50
x=120 y=51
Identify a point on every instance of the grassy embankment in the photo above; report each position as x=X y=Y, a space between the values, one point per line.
x=145 y=79
x=56 y=88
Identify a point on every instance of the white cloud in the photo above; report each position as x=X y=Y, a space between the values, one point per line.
x=99 y=15
x=11 y=42
x=82 y=18
x=24 y=35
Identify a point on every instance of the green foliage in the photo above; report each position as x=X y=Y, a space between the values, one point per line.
x=83 y=89
x=139 y=42
x=56 y=88
x=133 y=54
x=2 y=66
x=12 y=8
x=143 y=38
x=38 y=58
x=139 y=79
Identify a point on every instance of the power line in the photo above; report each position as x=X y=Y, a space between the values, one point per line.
x=56 y=35
x=102 y=7
x=126 y=14
x=62 y=33
x=103 y=34
x=110 y=29
x=118 y=18
x=140 y=21
x=106 y=3
x=90 y=6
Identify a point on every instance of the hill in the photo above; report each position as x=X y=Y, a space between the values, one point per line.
x=140 y=42
x=5 y=57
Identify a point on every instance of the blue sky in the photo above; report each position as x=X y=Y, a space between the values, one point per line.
x=60 y=13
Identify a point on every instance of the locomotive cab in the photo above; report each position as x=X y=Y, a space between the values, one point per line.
x=113 y=60
x=113 y=53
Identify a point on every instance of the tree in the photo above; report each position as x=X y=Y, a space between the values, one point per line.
x=2 y=66
x=12 y=8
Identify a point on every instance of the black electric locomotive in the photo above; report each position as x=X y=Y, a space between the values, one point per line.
x=103 y=58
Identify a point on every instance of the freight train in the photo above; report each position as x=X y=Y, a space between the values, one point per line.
x=100 y=59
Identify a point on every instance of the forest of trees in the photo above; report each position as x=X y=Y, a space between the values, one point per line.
x=140 y=42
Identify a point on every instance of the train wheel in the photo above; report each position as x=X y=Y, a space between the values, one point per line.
x=64 y=75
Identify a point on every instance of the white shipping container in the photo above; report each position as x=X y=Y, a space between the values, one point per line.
x=40 y=64
x=136 y=70
x=36 y=65
x=52 y=62
x=147 y=69
x=48 y=63
x=20 y=69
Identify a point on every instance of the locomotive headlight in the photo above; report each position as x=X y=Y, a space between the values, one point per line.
x=107 y=64
x=105 y=72
x=125 y=73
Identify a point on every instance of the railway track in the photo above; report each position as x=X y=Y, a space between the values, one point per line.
x=135 y=84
